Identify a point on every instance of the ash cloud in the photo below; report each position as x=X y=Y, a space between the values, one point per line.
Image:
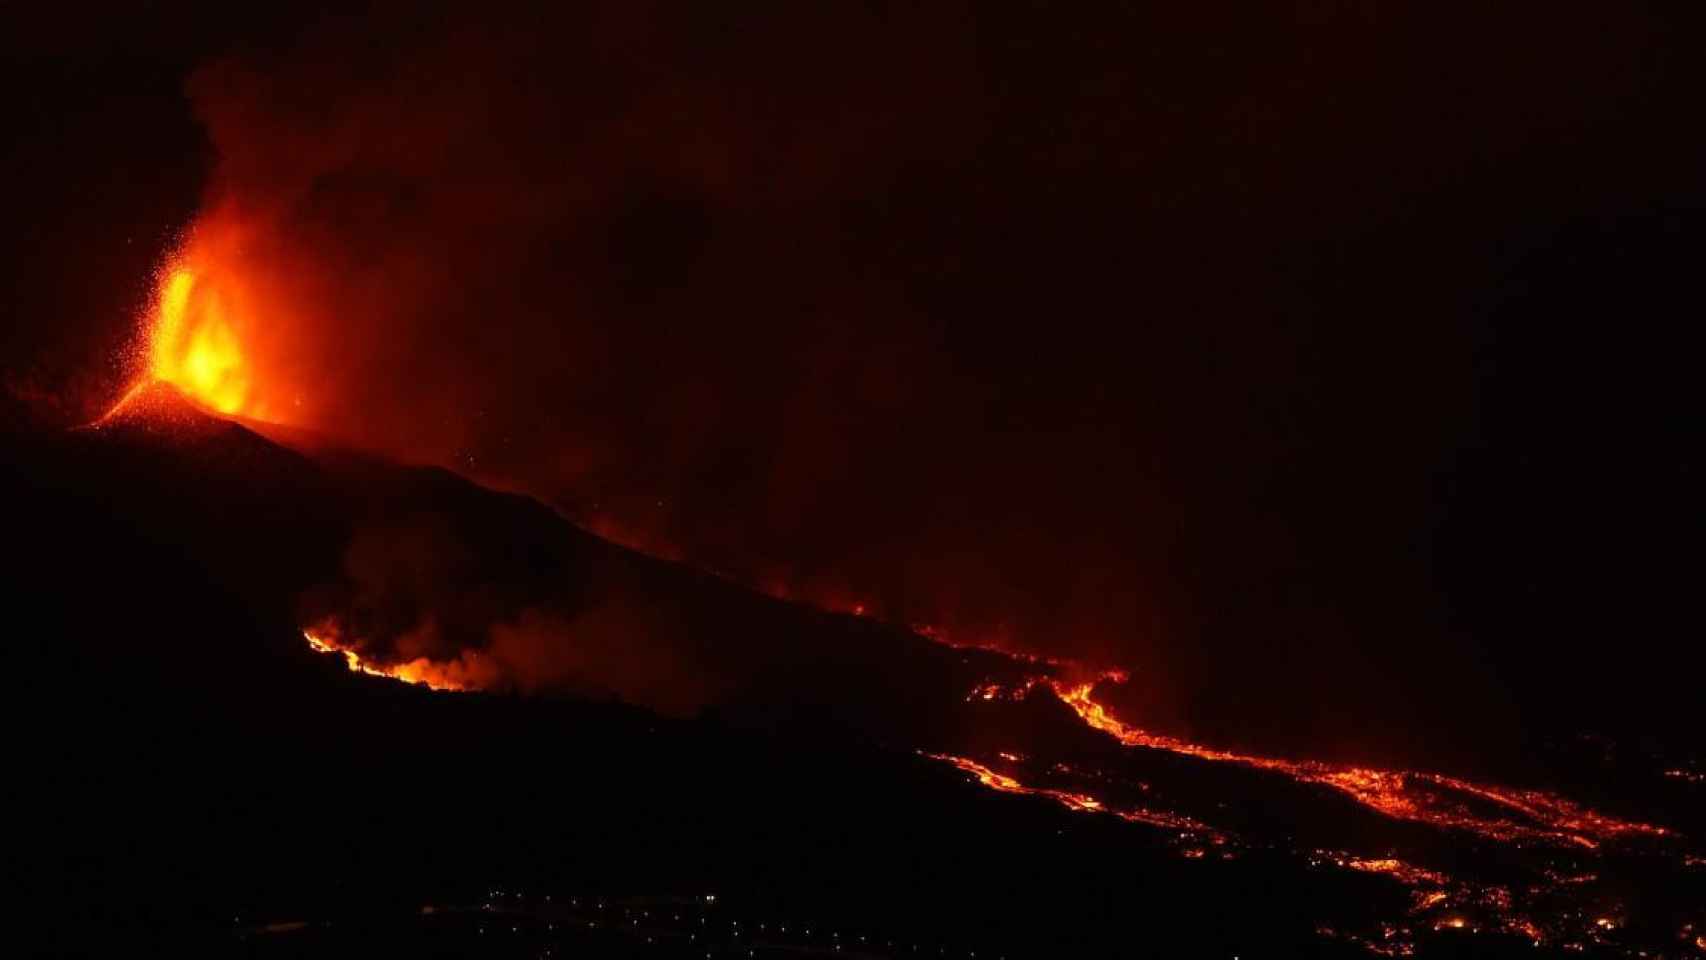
x=1137 y=335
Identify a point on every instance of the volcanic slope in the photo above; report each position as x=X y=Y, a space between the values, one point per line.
x=198 y=771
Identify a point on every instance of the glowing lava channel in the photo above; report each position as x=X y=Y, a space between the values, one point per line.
x=1081 y=802
x=1520 y=818
x=1401 y=795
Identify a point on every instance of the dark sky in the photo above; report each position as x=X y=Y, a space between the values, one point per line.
x=1322 y=358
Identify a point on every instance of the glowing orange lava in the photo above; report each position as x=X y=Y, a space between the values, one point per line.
x=1442 y=901
x=193 y=345
x=1439 y=901
x=1081 y=802
x=218 y=328
x=421 y=671
x=1530 y=816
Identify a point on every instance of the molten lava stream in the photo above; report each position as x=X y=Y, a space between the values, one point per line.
x=1550 y=819
x=1562 y=902
x=420 y=671
x=1082 y=802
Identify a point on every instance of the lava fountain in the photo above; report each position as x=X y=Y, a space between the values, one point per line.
x=218 y=329
x=193 y=344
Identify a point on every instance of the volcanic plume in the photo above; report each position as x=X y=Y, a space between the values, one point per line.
x=666 y=305
x=1080 y=367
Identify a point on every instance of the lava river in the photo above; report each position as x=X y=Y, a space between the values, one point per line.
x=1521 y=865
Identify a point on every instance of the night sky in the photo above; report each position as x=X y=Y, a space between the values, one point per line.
x=1313 y=361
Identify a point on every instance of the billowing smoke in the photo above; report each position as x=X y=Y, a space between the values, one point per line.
x=474 y=601
x=1139 y=336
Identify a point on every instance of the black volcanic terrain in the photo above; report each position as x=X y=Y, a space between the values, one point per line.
x=665 y=764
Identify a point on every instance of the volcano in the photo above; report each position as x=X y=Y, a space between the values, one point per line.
x=884 y=480
x=284 y=697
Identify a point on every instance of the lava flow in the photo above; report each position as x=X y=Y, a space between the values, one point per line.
x=1558 y=897
x=202 y=336
x=1530 y=816
x=461 y=675
x=1081 y=802
x=1558 y=883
